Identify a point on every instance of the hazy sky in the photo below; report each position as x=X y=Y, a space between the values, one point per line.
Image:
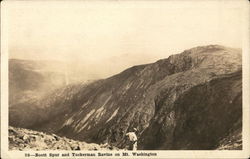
x=110 y=36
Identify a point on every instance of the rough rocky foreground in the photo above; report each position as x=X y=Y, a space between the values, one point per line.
x=24 y=139
x=188 y=101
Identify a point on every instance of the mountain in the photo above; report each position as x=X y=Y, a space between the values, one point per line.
x=30 y=80
x=191 y=100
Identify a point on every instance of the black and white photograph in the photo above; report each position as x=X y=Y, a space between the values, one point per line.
x=136 y=79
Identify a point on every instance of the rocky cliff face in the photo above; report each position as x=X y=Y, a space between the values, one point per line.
x=187 y=101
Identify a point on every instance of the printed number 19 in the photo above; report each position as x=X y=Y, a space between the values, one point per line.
x=27 y=155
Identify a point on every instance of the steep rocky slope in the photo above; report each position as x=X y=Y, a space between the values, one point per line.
x=24 y=139
x=203 y=115
x=187 y=101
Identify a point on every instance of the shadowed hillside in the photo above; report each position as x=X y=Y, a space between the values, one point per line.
x=190 y=100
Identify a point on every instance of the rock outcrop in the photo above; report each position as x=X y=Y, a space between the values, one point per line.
x=187 y=101
x=24 y=139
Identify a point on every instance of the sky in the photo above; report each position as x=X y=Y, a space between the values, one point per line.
x=104 y=38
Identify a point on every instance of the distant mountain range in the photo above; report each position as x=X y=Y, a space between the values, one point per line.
x=29 y=80
x=188 y=101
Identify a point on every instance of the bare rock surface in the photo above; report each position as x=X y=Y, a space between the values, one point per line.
x=24 y=139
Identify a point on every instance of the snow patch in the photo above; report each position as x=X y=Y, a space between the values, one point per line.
x=89 y=127
x=113 y=115
x=85 y=103
x=68 y=122
x=128 y=86
x=106 y=101
x=84 y=120
x=83 y=127
x=99 y=112
x=87 y=116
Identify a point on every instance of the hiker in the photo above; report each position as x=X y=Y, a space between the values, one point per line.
x=132 y=139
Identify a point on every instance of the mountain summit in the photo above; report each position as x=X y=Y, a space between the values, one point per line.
x=191 y=100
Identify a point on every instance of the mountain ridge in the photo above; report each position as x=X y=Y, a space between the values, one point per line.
x=143 y=96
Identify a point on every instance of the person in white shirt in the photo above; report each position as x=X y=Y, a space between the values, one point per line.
x=132 y=139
